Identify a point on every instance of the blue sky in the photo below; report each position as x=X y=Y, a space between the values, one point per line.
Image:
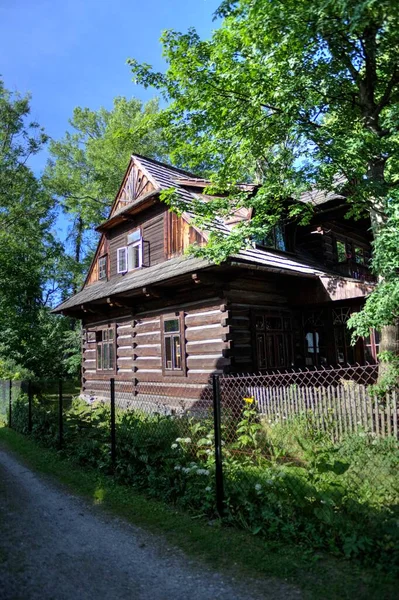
x=70 y=53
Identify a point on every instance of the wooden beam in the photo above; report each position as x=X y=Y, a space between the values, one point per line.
x=152 y=292
x=117 y=302
x=204 y=279
x=86 y=309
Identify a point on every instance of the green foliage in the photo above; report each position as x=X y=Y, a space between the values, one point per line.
x=33 y=264
x=284 y=480
x=9 y=369
x=294 y=96
x=87 y=166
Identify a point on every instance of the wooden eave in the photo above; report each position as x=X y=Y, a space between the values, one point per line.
x=139 y=205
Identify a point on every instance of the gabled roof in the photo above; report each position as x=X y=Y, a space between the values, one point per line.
x=163 y=176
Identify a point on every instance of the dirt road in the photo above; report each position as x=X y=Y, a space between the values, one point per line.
x=54 y=546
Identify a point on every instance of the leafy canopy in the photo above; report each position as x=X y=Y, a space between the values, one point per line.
x=33 y=264
x=87 y=165
x=292 y=94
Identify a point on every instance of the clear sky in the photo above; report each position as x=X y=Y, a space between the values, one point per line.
x=69 y=53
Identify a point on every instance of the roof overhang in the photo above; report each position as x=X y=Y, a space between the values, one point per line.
x=342 y=288
x=137 y=206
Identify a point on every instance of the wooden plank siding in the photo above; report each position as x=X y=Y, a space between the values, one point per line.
x=151 y=223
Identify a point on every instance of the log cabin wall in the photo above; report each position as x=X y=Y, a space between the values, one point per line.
x=260 y=294
x=140 y=373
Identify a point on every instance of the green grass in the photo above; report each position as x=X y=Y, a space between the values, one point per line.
x=224 y=549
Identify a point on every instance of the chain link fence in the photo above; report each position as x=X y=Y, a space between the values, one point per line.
x=310 y=457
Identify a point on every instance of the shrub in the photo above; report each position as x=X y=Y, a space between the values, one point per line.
x=283 y=480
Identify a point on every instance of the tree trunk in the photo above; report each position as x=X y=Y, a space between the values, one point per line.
x=389 y=342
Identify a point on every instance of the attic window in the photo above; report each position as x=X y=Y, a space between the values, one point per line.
x=102 y=267
x=274 y=238
x=130 y=257
x=122 y=260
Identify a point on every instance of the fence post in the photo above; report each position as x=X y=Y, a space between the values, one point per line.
x=60 y=415
x=113 y=432
x=218 y=445
x=29 y=406
x=10 y=405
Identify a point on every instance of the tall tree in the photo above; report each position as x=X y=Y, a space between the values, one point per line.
x=87 y=166
x=32 y=262
x=297 y=94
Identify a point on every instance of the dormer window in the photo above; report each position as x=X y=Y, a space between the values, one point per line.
x=274 y=238
x=130 y=257
x=102 y=267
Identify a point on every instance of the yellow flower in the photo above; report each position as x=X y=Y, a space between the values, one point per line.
x=249 y=400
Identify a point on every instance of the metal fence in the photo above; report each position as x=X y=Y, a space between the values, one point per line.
x=312 y=456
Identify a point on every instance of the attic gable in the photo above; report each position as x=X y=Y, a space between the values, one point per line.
x=136 y=183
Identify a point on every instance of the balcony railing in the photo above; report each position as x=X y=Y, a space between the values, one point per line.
x=356 y=271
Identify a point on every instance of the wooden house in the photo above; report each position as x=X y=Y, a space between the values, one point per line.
x=156 y=318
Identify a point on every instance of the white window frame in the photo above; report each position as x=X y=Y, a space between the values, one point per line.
x=120 y=262
x=138 y=244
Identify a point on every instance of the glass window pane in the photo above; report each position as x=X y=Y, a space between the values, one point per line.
x=111 y=355
x=134 y=256
x=287 y=323
x=99 y=357
x=168 y=353
x=280 y=238
x=260 y=343
x=271 y=359
x=280 y=351
x=105 y=356
x=102 y=267
x=176 y=352
x=259 y=322
x=133 y=237
x=171 y=325
x=273 y=323
x=341 y=251
x=359 y=255
x=122 y=260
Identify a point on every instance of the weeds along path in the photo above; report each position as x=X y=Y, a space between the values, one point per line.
x=56 y=546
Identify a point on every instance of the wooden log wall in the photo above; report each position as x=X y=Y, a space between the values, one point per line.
x=139 y=371
x=259 y=295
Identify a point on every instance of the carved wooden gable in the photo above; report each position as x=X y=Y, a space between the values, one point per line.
x=135 y=184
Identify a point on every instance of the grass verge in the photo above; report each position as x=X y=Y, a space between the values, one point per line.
x=221 y=548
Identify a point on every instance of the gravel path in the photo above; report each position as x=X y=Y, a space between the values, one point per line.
x=54 y=546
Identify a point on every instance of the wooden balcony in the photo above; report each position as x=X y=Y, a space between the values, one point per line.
x=355 y=271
